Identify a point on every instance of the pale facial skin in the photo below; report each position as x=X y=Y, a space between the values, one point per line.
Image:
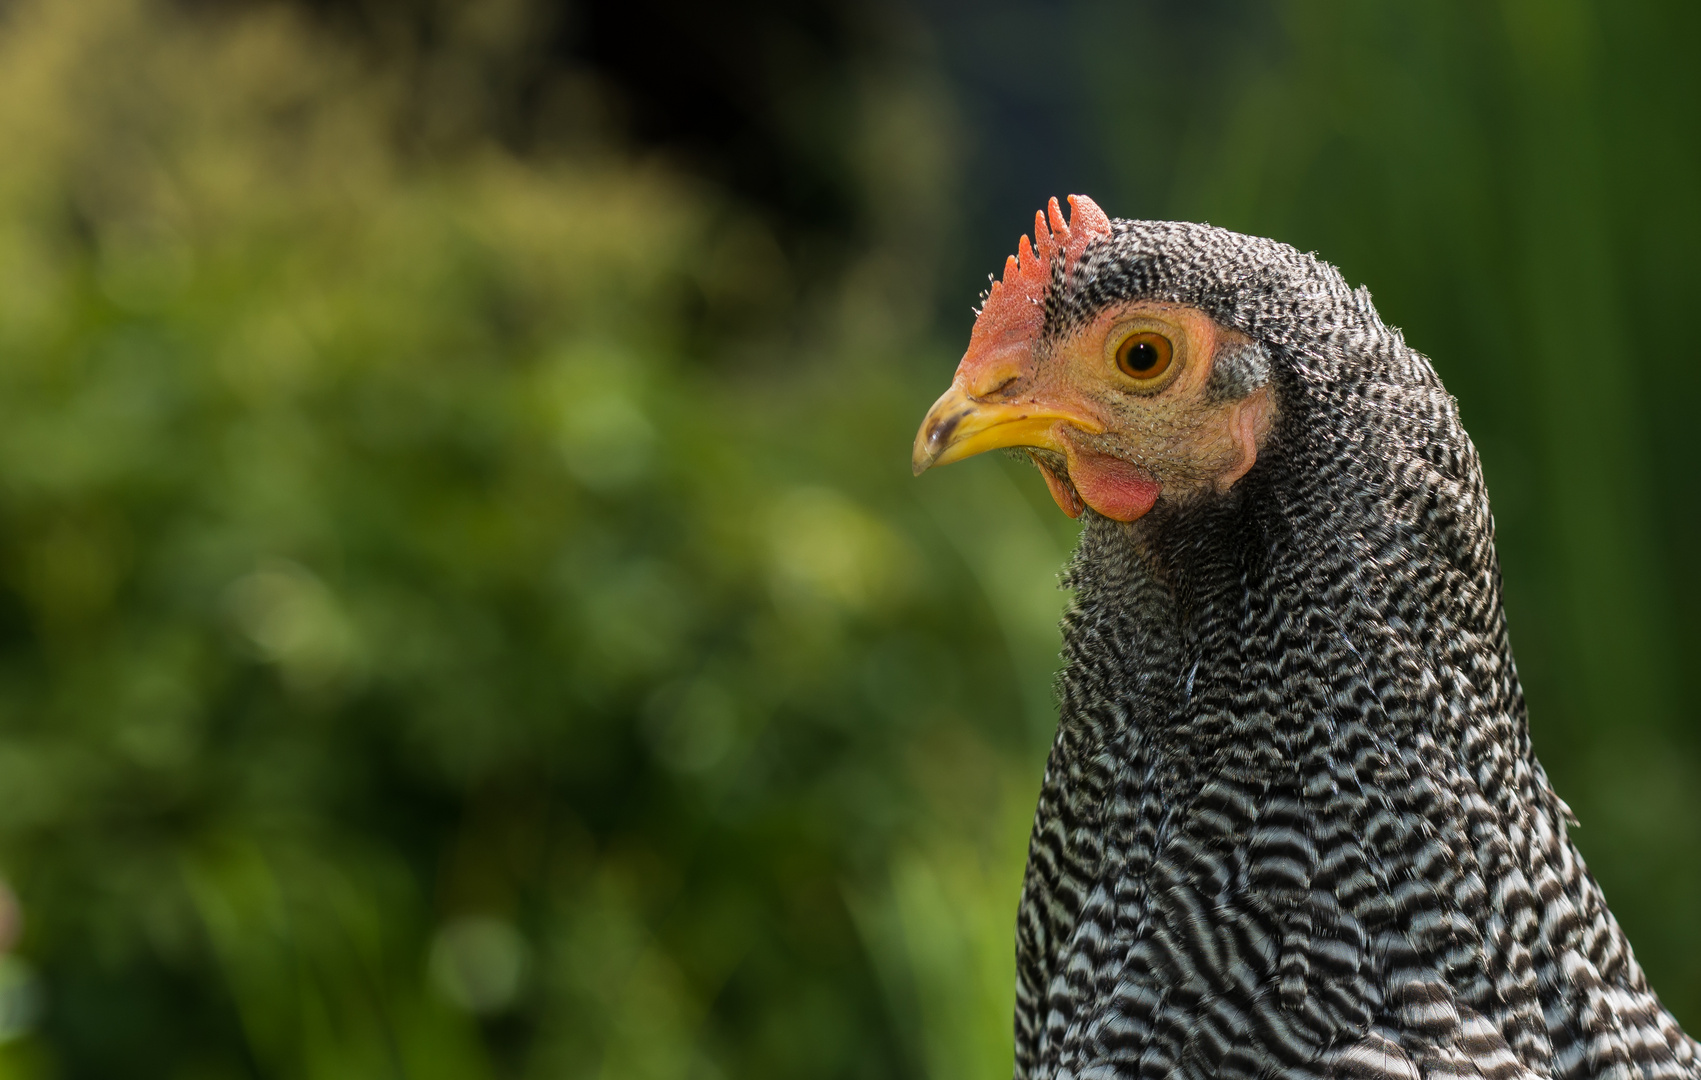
x=1115 y=415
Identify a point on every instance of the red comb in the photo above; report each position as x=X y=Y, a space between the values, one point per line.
x=1015 y=307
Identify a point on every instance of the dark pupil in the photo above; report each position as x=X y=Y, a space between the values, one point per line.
x=1142 y=357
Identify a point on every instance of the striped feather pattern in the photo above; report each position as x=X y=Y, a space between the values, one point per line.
x=1292 y=825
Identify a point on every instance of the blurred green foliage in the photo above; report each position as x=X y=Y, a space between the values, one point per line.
x=464 y=614
x=414 y=665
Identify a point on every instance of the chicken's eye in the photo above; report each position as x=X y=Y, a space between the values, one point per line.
x=1144 y=355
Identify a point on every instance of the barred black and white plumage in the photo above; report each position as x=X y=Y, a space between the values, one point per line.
x=1292 y=824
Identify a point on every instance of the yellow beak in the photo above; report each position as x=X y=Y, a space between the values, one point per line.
x=960 y=426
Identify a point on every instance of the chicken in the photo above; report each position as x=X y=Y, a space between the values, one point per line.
x=1291 y=824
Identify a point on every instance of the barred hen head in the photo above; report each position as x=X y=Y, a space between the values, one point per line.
x=1120 y=387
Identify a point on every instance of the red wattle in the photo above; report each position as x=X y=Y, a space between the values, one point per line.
x=1111 y=486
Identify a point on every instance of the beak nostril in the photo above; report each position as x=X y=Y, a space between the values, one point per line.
x=998 y=390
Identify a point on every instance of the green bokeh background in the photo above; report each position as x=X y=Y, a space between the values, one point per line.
x=464 y=609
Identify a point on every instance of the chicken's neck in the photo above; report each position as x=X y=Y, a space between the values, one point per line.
x=1239 y=631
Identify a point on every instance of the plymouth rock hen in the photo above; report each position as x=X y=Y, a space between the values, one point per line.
x=1292 y=825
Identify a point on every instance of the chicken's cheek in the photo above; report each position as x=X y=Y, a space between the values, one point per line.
x=1111 y=486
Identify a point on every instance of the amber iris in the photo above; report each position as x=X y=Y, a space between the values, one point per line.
x=1144 y=355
